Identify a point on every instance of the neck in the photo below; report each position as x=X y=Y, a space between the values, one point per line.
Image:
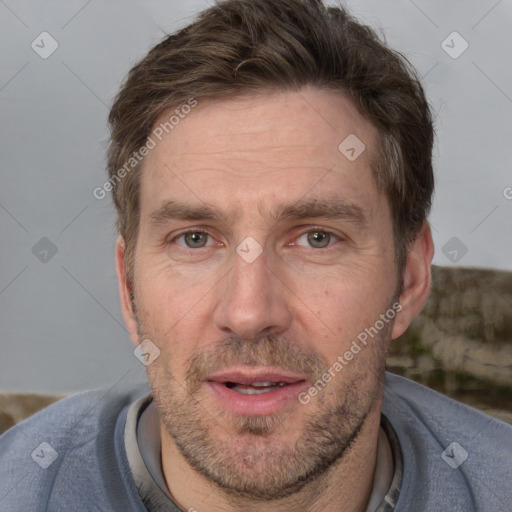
x=348 y=482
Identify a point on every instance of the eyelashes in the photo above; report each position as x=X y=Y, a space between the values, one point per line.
x=315 y=238
x=193 y=239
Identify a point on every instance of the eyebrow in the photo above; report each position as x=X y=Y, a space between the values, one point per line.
x=335 y=208
x=174 y=210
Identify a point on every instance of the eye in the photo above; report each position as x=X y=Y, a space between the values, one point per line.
x=317 y=239
x=194 y=239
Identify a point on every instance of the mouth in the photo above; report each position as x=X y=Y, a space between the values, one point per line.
x=255 y=388
x=255 y=391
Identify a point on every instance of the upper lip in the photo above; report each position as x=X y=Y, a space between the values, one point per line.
x=250 y=375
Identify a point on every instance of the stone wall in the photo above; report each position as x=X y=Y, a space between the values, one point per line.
x=461 y=343
x=15 y=407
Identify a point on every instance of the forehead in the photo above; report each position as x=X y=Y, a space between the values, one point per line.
x=270 y=145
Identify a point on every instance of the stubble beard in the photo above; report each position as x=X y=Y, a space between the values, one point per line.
x=257 y=458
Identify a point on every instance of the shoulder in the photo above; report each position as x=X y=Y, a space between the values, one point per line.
x=454 y=456
x=59 y=443
x=406 y=397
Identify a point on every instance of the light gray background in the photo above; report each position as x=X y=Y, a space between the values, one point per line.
x=60 y=321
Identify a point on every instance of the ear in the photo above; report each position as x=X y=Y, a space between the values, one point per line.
x=125 y=292
x=417 y=278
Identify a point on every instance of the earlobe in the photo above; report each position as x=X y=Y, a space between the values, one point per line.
x=125 y=291
x=416 y=280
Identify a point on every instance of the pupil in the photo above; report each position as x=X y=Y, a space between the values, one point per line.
x=319 y=239
x=195 y=239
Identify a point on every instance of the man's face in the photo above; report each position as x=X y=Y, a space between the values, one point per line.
x=263 y=252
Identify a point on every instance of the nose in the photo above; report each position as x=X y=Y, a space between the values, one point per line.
x=253 y=301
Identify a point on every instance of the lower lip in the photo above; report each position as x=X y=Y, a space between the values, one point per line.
x=260 y=404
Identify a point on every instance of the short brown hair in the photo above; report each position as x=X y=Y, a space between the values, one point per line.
x=239 y=47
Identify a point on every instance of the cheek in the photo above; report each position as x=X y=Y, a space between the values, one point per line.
x=336 y=311
x=168 y=294
x=171 y=313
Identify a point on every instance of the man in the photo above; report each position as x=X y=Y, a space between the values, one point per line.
x=271 y=169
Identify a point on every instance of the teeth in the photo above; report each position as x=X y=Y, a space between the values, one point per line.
x=265 y=387
x=248 y=391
